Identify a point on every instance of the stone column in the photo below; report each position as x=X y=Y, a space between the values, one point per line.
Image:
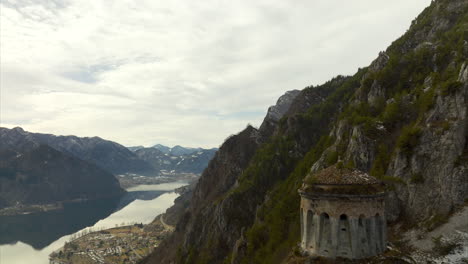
x=316 y=233
x=303 y=228
x=368 y=237
x=384 y=233
x=355 y=237
x=335 y=226
x=309 y=228
x=373 y=237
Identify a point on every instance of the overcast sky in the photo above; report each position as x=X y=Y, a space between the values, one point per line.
x=181 y=71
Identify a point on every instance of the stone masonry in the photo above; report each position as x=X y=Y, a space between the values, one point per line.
x=342 y=214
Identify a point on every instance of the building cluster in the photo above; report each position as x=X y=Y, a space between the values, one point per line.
x=127 y=244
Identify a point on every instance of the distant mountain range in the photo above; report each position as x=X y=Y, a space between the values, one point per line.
x=106 y=154
x=175 y=159
x=44 y=168
x=111 y=156
x=179 y=150
x=35 y=173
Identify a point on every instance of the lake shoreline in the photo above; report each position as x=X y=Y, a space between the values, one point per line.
x=124 y=244
x=20 y=249
x=130 y=183
x=26 y=209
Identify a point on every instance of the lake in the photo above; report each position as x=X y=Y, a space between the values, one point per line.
x=26 y=239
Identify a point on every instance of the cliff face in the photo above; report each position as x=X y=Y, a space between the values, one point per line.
x=418 y=140
x=403 y=119
x=276 y=112
x=197 y=208
x=212 y=211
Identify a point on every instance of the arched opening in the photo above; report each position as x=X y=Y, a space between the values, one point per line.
x=343 y=219
x=325 y=240
x=310 y=229
x=344 y=236
x=369 y=232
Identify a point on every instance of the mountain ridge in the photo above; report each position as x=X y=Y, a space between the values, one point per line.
x=106 y=154
x=177 y=159
x=43 y=175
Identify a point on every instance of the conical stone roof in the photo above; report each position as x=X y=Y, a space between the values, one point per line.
x=342 y=176
x=337 y=179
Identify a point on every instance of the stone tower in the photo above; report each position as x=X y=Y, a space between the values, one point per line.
x=342 y=214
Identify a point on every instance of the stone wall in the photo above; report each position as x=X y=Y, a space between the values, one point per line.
x=343 y=225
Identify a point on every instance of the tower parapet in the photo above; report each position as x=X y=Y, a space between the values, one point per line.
x=342 y=214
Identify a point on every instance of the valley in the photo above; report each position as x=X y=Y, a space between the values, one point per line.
x=369 y=166
x=39 y=172
x=130 y=180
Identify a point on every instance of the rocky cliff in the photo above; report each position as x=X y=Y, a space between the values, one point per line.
x=403 y=119
x=276 y=112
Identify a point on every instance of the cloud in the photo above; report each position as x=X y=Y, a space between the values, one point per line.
x=177 y=72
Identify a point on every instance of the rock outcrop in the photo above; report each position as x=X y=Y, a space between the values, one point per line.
x=276 y=112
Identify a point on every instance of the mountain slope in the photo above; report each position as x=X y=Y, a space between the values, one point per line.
x=43 y=175
x=205 y=215
x=402 y=119
x=108 y=155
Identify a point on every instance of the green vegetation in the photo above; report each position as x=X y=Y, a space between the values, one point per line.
x=310 y=180
x=409 y=138
x=444 y=248
x=435 y=221
x=451 y=86
x=392 y=114
x=263 y=171
x=417 y=178
x=411 y=81
x=392 y=180
x=425 y=101
x=403 y=78
x=278 y=230
x=381 y=162
x=331 y=158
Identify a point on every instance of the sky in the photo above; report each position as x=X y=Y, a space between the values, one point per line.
x=180 y=72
